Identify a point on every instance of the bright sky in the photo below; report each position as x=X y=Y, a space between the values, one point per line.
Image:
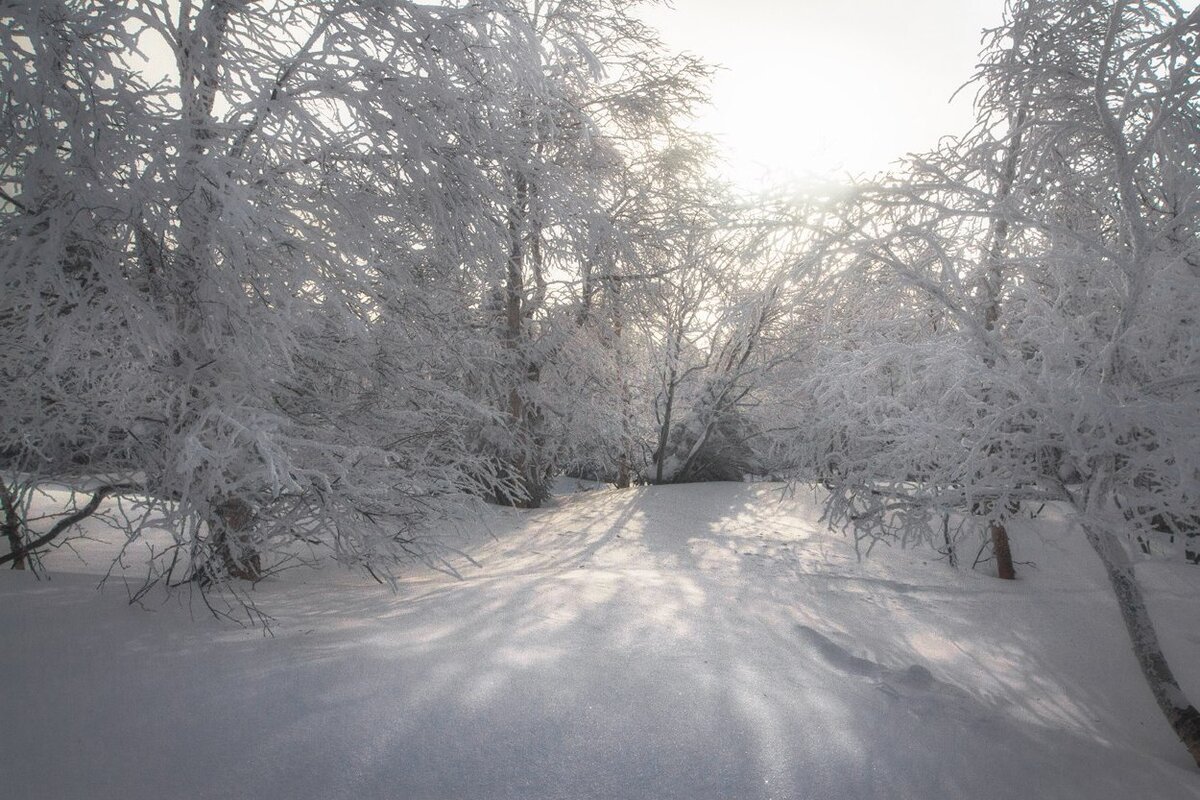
x=816 y=89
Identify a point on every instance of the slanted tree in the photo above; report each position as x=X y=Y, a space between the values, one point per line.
x=1044 y=275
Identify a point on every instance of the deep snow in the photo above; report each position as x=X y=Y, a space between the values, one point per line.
x=707 y=641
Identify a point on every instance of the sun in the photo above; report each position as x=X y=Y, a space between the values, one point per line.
x=812 y=91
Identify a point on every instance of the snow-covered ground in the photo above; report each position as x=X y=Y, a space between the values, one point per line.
x=708 y=641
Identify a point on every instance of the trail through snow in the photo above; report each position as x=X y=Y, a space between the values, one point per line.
x=708 y=641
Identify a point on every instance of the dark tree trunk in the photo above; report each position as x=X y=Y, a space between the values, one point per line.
x=526 y=456
x=625 y=455
x=950 y=553
x=664 y=429
x=231 y=525
x=12 y=526
x=993 y=285
x=24 y=549
x=1002 y=552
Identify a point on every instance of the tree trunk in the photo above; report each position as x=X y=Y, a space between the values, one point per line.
x=625 y=455
x=1002 y=552
x=950 y=553
x=624 y=473
x=12 y=526
x=527 y=448
x=1182 y=715
x=993 y=281
x=664 y=430
x=231 y=525
x=24 y=549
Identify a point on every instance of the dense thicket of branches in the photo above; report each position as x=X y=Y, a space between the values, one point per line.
x=299 y=274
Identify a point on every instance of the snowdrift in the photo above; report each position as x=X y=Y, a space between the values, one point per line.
x=701 y=641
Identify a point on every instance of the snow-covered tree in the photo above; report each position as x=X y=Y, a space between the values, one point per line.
x=1043 y=274
x=214 y=282
x=564 y=137
x=76 y=123
x=296 y=275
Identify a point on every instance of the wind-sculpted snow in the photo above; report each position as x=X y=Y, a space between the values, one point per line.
x=706 y=641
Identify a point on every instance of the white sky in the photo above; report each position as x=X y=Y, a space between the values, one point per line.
x=816 y=89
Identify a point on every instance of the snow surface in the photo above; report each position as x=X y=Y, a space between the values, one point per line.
x=706 y=641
